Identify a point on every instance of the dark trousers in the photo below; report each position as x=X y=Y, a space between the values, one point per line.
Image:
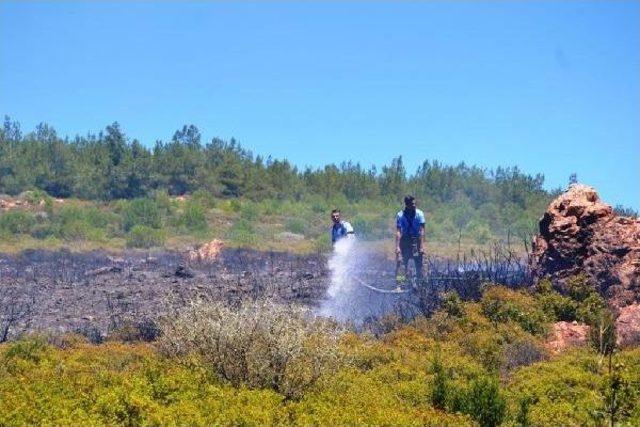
x=410 y=249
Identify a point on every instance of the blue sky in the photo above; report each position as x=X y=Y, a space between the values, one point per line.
x=552 y=87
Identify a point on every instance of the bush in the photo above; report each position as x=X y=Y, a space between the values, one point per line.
x=521 y=352
x=75 y=222
x=141 y=330
x=193 y=217
x=242 y=233
x=296 y=225
x=204 y=198
x=259 y=344
x=440 y=389
x=554 y=305
x=16 y=221
x=143 y=212
x=141 y=236
x=500 y=305
x=452 y=304
x=485 y=403
x=370 y=227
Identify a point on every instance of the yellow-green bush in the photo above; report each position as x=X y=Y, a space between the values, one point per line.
x=390 y=380
x=259 y=344
x=501 y=305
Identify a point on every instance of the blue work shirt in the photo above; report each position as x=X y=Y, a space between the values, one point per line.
x=407 y=227
x=340 y=230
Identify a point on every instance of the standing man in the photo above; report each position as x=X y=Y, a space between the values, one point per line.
x=340 y=228
x=409 y=238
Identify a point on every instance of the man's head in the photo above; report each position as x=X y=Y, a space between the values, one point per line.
x=335 y=216
x=410 y=203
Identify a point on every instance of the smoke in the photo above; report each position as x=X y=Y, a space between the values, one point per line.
x=346 y=299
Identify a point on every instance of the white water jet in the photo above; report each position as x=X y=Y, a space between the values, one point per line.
x=346 y=298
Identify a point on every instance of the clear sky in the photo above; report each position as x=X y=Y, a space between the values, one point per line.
x=552 y=87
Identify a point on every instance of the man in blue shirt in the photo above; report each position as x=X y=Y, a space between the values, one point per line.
x=409 y=238
x=340 y=228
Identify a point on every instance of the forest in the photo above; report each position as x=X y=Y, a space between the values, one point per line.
x=110 y=170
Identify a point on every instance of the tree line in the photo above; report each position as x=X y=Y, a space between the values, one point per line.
x=110 y=166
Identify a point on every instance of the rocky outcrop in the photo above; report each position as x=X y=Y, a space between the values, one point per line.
x=208 y=252
x=581 y=234
x=566 y=334
x=628 y=326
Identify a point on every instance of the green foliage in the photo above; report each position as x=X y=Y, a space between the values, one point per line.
x=193 y=217
x=619 y=396
x=16 y=221
x=440 y=388
x=204 y=198
x=296 y=225
x=485 y=403
x=554 y=305
x=500 y=305
x=141 y=236
x=242 y=233
x=73 y=222
x=452 y=304
x=404 y=377
x=110 y=166
x=603 y=332
x=142 y=212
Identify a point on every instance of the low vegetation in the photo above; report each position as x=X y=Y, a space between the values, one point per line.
x=470 y=363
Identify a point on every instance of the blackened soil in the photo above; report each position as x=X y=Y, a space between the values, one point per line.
x=61 y=291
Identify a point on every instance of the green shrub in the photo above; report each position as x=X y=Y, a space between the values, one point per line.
x=204 y=198
x=242 y=233
x=485 y=403
x=579 y=287
x=501 y=305
x=29 y=349
x=452 y=304
x=322 y=243
x=296 y=225
x=193 y=217
x=554 y=305
x=34 y=197
x=143 y=212
x=603 y=332
x=590 y=309
x=142 y=236
x=16 y=221
x=73 y=222
x=371 y=226
x=440 y=388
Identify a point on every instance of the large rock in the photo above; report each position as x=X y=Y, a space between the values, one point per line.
x=567 y=334
x=581 y=234
x=628 y=326
x=208 y=252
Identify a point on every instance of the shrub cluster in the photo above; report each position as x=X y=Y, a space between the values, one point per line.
x=259 y=344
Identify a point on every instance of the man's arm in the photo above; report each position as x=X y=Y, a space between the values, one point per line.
x=398 y=235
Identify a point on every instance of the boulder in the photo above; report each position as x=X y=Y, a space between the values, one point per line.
x=628 y=326
x=207 y=252
x=567 y=334
x=581 y=234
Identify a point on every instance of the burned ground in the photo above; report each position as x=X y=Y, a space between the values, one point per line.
x=96 y=293
x=63 y=291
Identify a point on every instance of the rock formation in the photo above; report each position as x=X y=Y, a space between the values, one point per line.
x=567 y=334
x=581 y=234
x=208 y=252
